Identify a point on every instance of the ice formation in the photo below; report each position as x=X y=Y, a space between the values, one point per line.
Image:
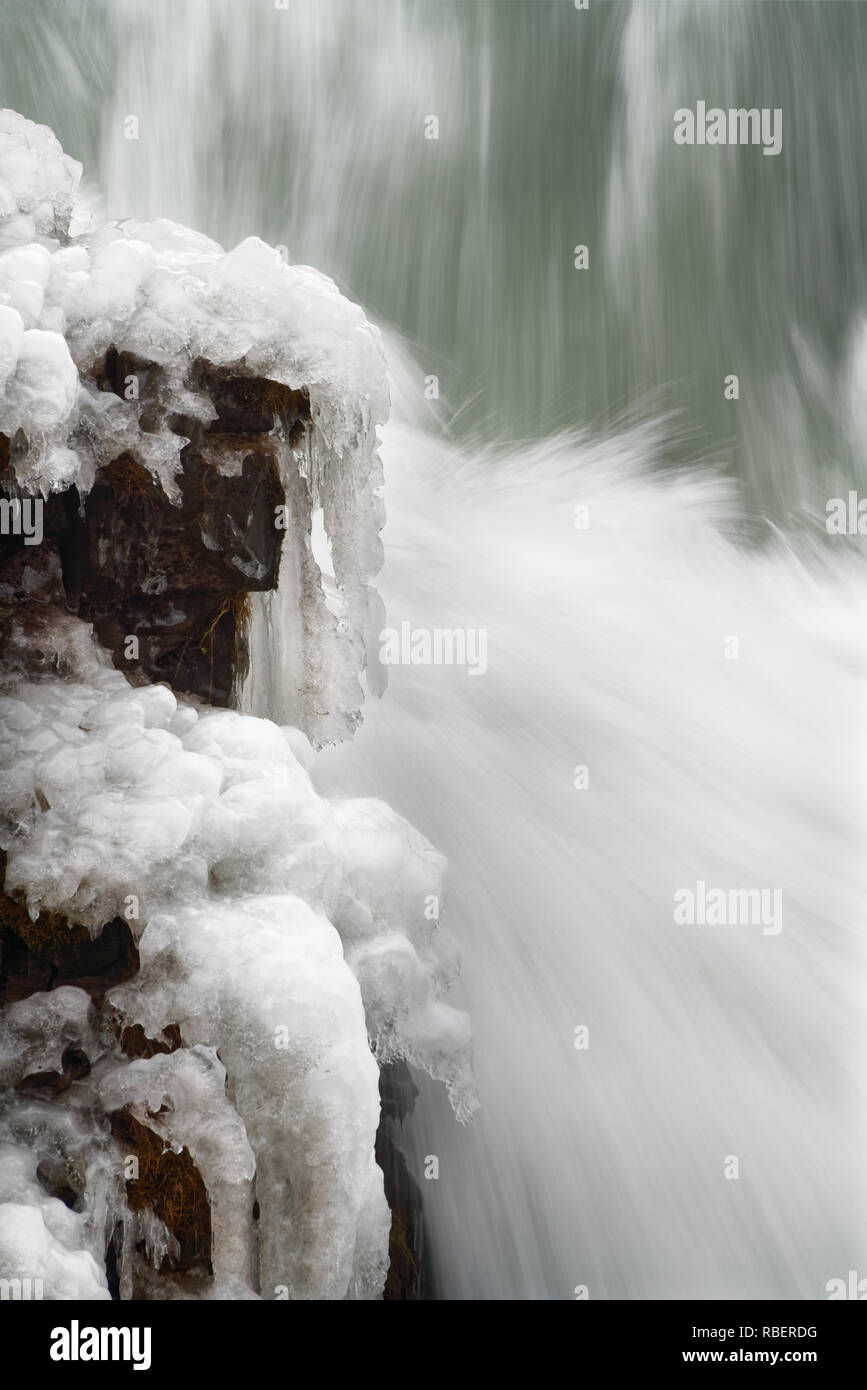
x=173 y=301
x=285 y=944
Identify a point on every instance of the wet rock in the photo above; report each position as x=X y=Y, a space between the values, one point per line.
x=51 y=951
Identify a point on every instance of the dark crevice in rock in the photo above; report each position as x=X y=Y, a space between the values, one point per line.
x=410 y=1275
x=135 y=1043
x=51 y=951
x=46 y=1085
x=112 y=1261
x=61 y=1179
x=250 y=406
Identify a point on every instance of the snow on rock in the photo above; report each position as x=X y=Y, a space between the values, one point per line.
x=285 y=932
x=175 y=304
x=169 y=296
x=284 y=941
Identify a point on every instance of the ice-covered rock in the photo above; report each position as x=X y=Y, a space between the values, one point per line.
x=182 y=1097
x=38 y=183
x=41 y=1236
x=36 y=1032
x=172 y=298
x=197 y=422
x=114 y=348
x=264 y=979
x=29 y=1241
x=287 y=933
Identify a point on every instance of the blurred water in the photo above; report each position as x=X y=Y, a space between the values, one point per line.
x=605 y=1167
x=606 y=647
x=306 y=126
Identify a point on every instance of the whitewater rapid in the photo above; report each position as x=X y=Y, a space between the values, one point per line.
x=603 y=1169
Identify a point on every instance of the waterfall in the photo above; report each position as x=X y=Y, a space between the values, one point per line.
x=577 y=485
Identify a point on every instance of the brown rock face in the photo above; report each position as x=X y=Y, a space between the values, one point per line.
x=171 y=1185
x=172 y=575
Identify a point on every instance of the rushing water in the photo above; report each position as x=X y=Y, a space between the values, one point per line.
x=606 y=647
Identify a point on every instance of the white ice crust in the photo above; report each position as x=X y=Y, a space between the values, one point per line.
x=285 y=936
x=172 y=300
x=167 y=295
x=286 y=933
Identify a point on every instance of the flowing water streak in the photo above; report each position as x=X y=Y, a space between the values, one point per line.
x=605 y=1167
